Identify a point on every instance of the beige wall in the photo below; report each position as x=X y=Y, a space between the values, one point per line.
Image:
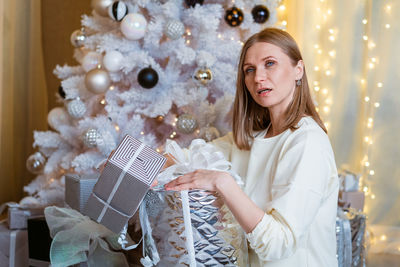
x=59 y=19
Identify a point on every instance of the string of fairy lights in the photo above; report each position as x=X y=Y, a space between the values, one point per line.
x=324 y=70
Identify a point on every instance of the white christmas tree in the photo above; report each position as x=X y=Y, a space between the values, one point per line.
x=153 y=69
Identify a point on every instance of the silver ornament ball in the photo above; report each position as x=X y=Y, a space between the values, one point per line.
x=101 y=6
x=90 y=138
x=76 y=108
x=209 y=133
x=202 y=76
x=174 y=29
x=186 y=123
x=78 y=38
x=35 y=163
x=97 y=81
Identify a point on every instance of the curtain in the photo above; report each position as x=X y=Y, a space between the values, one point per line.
x=23 y=96
x=350 y=53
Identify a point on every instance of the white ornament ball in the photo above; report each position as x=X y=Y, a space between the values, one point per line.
x=174 y=29
x=91 y=60
x=209 y=133
x=112 y=61
x=101 y=6
x=76 y=108
x=57 y=116
x=186 y=123
x=35 y=163
x=78 y=38
x=133 y=26
x=90 y=138
x=118 y=10
x=97 y=81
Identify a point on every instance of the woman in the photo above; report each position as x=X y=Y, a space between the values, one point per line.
x=280 y=148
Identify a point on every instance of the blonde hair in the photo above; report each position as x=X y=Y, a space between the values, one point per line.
x=248 y=116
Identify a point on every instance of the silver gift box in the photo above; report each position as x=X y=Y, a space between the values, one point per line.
x=13 y=247
x=19 y=215
x=78 y=189
x=122 y=185
x=218 y=239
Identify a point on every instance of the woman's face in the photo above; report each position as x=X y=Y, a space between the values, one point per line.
x=270 y=76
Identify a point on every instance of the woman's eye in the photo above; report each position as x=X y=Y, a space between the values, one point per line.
x=248 y=70
x=269 y=63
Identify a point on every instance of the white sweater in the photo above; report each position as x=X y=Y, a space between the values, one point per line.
x=293 y=178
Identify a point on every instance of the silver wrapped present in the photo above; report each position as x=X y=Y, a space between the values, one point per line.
x=13 y=247
x=191 y=228
x=207 y=236
x=18 y=215
x=350 y=235
x=78 y=189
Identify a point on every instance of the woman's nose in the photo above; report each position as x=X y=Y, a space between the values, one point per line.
x=260 y=75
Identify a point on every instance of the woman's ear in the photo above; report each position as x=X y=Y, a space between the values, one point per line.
x=299 y=69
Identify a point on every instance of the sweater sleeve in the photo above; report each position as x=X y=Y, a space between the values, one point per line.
x=302 y=172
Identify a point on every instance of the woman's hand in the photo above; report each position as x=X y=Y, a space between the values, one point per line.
x=199 y=179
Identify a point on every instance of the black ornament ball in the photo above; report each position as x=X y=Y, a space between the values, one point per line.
x=148 y=78
x=61 y=91
x=234 y=16
x=192 y=3
x=260 y=13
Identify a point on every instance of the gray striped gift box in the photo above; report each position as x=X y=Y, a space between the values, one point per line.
x=123 y=183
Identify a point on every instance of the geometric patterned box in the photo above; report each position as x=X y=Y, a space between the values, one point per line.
x=122 y=185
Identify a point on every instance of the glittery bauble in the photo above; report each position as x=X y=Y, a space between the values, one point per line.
x=97 y=81
x=76 y=108
x=91 y=60
x=90 y=138
x=112 y=61
x=35 y=163
x=202 y=76
x=174 y=29
x=78 y=38
x=101 y=6
x=260 y=13
x=148 y=78
x=209 y=133
x=186 y=123
x=57 y=116
x=192 y=3
x=133 y=26
x=61 y=92
x=118 y=10
x=234 y=16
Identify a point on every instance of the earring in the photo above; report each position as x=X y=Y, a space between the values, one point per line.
x=298 y=82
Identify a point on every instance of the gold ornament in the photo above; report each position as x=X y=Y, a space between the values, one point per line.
x=160 y=118
x=203 y=76
x=97 y=81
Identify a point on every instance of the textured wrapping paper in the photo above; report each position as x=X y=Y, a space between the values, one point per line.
x=79 y=240
x=123 y=184
x=217 y=239
x=13 y=247
x=78 y=189
x=192 y=228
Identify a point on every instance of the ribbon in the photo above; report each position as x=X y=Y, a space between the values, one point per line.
x=199 y=155
x=13 y=239
x=119 y=180
x=76 y=239
x=345 y=238
x=188 y=228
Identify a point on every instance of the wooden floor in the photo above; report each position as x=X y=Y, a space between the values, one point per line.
x=383 y=260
